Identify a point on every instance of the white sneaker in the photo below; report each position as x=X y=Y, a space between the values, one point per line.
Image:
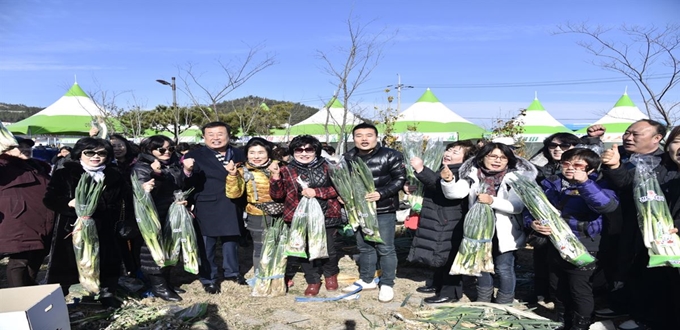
x=360 y=285
x=386 y=293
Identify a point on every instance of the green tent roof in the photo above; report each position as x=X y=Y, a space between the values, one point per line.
x=536 y=106
x=428 y=96
x=624 y=101
x=335 y=104
x=75 y=90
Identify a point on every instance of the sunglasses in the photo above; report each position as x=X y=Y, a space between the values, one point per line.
x=576 y=166
x=308 y=150
x=91 y=153
x=563 y=146
x=163 y=150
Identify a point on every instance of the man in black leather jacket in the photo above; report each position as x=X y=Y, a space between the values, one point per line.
x=389 y=175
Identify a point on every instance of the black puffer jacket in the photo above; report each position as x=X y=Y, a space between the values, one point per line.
x=440 y=228
x=389 y=175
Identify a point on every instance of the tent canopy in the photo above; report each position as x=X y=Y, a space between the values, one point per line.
x=538 y=123
x=617 y=120
x=72 y=114
x=328 y=118
x=429 y=115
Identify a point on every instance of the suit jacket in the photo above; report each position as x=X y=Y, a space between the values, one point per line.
x=216 y=214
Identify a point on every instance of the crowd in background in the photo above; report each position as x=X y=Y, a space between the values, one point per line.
x=238 y=190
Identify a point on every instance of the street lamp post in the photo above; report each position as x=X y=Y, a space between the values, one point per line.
x=174 y=105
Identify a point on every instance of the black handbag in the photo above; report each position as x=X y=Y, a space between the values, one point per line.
x=125 y=229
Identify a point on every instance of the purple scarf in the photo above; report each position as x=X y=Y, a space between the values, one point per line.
x=490 y=180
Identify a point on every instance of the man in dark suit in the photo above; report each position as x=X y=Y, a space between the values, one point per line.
x=219 y=218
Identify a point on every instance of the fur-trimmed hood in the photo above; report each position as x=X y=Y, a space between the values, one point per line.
x=523 y=168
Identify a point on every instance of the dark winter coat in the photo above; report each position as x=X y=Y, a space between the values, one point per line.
x=581 y=206
x=440 y=228
x=25 y=223
x=389 y=175
x=60 y=191
x=216 y=214
x=289 y=190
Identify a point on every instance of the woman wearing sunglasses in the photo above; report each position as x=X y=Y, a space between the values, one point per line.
x=158 y=170
x=308 y=166
x=92 y=156
x=482 y=179
x=581 y=200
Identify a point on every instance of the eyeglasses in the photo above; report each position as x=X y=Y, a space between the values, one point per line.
x=91 y=153
x=576 y=166
x=496 y=157
x=163 y=150
x=308 y=150
x=563 y=146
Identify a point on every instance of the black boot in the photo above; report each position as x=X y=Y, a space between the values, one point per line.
x=166 y=274
x=580 y=322
x=484 y=294
x=160 y=288
x=566 y=319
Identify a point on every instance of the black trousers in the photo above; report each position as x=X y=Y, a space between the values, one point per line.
x=23 y=267
x=570 y=285
x=326 y=266
x=541 y=273
x=654 y=293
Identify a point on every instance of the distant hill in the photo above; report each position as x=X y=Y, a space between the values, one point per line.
x=300 y=111
x=15 y=112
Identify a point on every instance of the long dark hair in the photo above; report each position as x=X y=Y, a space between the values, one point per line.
x=131 y=150
x=90 y=143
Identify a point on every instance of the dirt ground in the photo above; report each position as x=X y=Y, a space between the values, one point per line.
x=234 y=308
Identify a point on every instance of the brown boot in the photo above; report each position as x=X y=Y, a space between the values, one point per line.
x=312 y=289
x=331 y=282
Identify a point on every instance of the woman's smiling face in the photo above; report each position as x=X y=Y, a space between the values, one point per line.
x=257 y=155
x=94 y=158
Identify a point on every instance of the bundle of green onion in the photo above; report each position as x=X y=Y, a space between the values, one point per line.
x=431 y=151
x=316 y=230
x=147 y=221
x=179 y=235
x=654 y=216
x=297 y=240
x=270 y=272
x=368 y=215
x=475 y=252
x=341 y=176
x=564 y=240
x=85 y=237
x=7 y=139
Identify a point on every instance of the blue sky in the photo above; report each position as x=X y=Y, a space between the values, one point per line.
x=124 y=46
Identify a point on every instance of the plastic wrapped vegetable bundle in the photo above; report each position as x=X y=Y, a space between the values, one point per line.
x=363 y=184
x=561 y=236
x=7 y=139
x=85 y=237
x=297 y=240
x=475 y=252
x=654 y=216
x=147 y=221
x=341 y=176
x=272 y=252
x=431 y=151
x=179 y=235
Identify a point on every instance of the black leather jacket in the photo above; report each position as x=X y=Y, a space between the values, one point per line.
x=389 y=175
x=170 y=179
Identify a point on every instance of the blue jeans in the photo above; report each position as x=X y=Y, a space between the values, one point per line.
x=371 y=252
x=207 y=271
x=504 y=266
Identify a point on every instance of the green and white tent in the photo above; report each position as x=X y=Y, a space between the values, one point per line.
x=617 y=120
x=434 y=119
x=539 y=124
x=72 y=114
x=329 y=117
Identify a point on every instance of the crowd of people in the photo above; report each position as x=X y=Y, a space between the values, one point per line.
x=238 y=191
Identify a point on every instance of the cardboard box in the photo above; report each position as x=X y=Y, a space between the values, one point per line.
x=40 y=307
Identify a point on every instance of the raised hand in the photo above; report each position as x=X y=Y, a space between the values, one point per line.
x=417 y=164
x=581 y=176
x=596 y=130
x=149 y=185
x=275 y=170
x=156 y=166
x=611 y=157
x=485 y=199
x=188 y=164
x=536 y=225
x=446 y=174
x=230 y=167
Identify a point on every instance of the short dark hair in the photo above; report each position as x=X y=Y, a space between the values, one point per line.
x=303 y=140
x=329 y=149
x=90 y=143
x=259 y=142
x=279 y=152
x=154 y=142
x=590 y=157
x=489 y=147
x=183 y=146
x=365 y=125
x=65 y=148
x=216 y=124
x=660 y=128
x=470 y=149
